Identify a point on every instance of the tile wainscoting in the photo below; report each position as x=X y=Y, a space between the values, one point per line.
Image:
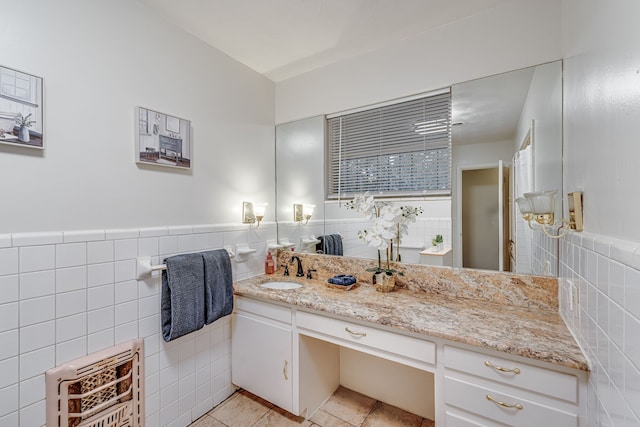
x=600 y=302
x=64 y=295
x=419 y=236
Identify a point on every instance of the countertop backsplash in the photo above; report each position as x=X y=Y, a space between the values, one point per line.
x=521 y=290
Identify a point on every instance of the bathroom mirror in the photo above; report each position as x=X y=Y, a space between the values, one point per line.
x=493 y=118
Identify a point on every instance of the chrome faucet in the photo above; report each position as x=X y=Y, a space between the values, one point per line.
x=300 y=271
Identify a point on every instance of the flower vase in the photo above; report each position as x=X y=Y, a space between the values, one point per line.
x=23 y=134
x=384 y=282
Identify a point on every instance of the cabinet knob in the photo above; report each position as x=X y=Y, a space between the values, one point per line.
x=284 y=370
x=500 y=368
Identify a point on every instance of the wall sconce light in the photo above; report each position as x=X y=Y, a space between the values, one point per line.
x=539 y=206
x=252 y=214
x=302 y=212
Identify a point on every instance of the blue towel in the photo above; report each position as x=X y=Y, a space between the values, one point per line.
x=182 y=302
x=324 y=245
x=218 y=288
x=342 y=280
x=330 y=244
x=337 y=244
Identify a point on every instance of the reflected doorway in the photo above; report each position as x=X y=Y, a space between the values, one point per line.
x=485 y=218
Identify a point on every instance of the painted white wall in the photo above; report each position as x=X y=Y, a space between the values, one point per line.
x=300 y=166
x=602 y=102
x=99 y=60
x=510 y=36
x=601 y=151
x=544 y=105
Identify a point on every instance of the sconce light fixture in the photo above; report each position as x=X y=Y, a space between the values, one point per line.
x=253 y=214
x=302 y=212
x=539 y=206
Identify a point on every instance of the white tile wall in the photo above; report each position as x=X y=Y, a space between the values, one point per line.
x=606 y=322
x=420 y=233
x=64 y=295
x=544 y=254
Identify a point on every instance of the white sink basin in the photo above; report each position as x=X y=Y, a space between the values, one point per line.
x=281 y=285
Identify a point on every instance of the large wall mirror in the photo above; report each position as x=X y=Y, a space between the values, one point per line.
x=506 y=140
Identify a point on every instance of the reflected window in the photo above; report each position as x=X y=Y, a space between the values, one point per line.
x=399 y=149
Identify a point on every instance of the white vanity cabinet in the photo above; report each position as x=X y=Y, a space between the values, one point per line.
x=484 y=390
x=295 y=358
x=393 y=346
x=262 y=351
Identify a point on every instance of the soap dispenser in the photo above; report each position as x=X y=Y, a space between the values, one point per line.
x=269 y=265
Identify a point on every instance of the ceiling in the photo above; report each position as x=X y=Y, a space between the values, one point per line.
x=488 y=109
x=284 y=38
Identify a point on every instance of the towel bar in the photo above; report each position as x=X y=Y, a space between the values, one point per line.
x=144 y=267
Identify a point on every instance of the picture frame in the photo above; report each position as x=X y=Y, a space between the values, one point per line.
x=21 y=109
x=162 y=139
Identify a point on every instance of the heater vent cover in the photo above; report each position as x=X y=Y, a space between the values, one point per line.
x=103 y=389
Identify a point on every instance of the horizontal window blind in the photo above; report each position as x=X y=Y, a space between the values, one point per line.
x=402 y=149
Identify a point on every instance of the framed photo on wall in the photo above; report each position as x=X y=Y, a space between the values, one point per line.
x=21 y=109
x=162 y=139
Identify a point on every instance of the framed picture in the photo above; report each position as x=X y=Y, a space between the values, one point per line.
x=162 y=140
x=21 y=109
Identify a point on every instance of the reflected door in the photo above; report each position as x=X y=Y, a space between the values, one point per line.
x=481 y=228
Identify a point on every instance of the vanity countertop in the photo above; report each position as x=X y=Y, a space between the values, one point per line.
x=523 y=331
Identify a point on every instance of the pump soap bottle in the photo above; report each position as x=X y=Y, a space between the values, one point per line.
x=269 y=265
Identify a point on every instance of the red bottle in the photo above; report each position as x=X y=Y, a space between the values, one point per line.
x=269 y=265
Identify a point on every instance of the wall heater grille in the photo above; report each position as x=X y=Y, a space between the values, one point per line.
x=103 y=389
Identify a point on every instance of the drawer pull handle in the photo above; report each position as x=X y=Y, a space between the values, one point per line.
x=504 y=405
x=284 y=370
x=500 y=368
x=360 y=334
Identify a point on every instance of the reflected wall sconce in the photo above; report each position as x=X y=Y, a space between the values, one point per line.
x=302 y=212
x=253 y=214
x=539 y=207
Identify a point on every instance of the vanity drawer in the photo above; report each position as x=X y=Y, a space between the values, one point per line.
x=397 y=344
x=264 y=309
x=517 y=374
x=483 y=401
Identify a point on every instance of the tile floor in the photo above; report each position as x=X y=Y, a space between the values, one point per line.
x=345 y=408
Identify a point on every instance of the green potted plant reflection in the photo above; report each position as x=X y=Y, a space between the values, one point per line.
x=24 y=123
x=437 y=242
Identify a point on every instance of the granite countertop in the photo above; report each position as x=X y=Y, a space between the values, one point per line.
x=534 y=333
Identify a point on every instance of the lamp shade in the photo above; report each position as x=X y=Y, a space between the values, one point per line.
x=307 y=210
x=524 y=205
x=259 y=209
x=541 y=201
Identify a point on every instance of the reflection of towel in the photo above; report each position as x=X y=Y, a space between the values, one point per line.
x=182 y=302
x=342 y=280
x=330 y=244
x=337 y=242
x=324 y=245
x=218 y=288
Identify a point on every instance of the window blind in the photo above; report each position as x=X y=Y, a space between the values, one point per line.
x=402 y=149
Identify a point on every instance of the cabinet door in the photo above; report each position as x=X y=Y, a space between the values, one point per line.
x=261 y=359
